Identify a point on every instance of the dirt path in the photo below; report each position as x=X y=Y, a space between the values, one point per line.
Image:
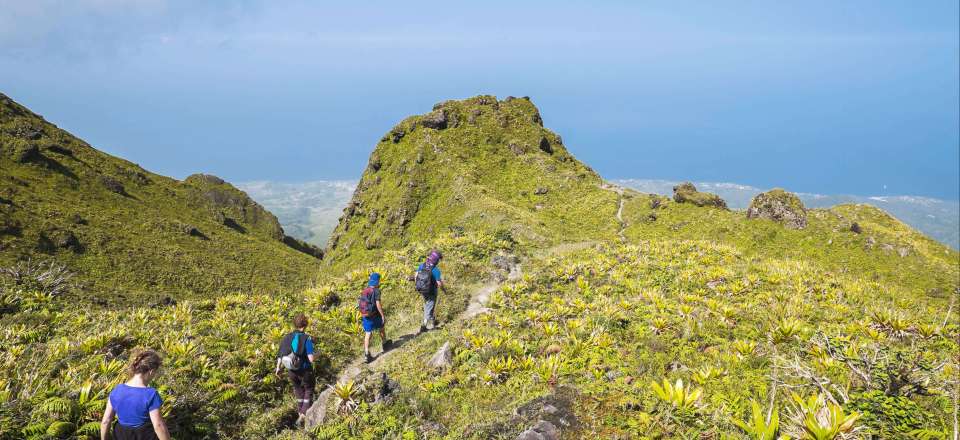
x=478 y=304
x=620 y=201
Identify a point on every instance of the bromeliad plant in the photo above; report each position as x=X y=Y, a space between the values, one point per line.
x=759 y=427
x=680 y=397
x=815 y=419
x=346 y=394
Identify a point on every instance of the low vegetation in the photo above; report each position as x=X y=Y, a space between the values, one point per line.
x=634 y=316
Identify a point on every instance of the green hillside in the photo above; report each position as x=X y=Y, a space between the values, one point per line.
x=576 y=309
x=129 y=234
x=480 y=164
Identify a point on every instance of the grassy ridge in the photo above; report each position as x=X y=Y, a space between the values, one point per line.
x=129 y=233
x=490 y=165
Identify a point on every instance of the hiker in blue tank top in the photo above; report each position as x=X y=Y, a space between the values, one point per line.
x=372 y=316
x=296 y=355
x=135 y=404
x=427 y=281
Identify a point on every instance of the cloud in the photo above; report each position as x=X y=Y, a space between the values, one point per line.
x=80 y=28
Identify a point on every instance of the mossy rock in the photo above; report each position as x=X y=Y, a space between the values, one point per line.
x=780 y=206
x=687 y=193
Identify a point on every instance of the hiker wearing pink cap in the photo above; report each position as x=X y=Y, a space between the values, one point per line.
x=427 y=281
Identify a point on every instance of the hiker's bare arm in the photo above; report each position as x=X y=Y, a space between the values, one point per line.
x=440 y=285
x=108 y=414
x=277 y=370
x=310 y=356
x=382 y=315
x=159 y=426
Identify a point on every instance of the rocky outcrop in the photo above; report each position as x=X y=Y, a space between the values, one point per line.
x=780 y=206
x=687 y=193
x=442 y=358
x=303 y=246
x=232 y=207
x=113 y=185
x=436 y=120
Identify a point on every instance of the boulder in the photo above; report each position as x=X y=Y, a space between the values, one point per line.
x=442 y=358
x=545 y=145
x=330 y=300
x=190 y=230
x=855 y=228
x=436 y=120
x=541 y=191
x=780 y=206
x=375 y=162
x=530 y=434
x=687 y=193
x=396 y=134
x=377 y=387
x=113 y=185
x=65 y=239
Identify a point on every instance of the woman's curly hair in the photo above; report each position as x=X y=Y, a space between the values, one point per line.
x=145 y=362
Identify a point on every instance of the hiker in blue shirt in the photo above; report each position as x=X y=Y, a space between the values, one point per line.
x=427 y=281
x=296 y=356
x=135 y=403
x=372 y=316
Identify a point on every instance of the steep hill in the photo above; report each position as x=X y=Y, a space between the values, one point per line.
x=479 y=164
x=127 y=232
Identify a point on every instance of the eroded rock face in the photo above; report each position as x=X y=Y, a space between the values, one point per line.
x=442 y=358
x=436 y=120
x=687 y=193
x=780 y=206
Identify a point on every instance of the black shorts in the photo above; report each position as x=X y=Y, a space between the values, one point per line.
x=142 y=432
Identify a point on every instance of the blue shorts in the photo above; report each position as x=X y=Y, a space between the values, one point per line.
x=372 y=323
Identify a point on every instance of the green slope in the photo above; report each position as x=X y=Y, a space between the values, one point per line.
x=129 y=233
x=479 y=164
x=619 y=289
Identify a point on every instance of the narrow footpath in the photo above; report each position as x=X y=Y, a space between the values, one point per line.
x=620 y=201
x=477 y=305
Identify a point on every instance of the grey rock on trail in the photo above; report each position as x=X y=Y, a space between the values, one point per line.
x=442 y=358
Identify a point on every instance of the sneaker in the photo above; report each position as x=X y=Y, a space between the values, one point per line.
x=301 y=420
x=369 y=358
x=423 y=328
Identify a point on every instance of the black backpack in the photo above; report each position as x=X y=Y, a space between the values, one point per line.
x=424 y=280
x=292 y=351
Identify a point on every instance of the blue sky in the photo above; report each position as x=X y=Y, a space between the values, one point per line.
x=854 y=97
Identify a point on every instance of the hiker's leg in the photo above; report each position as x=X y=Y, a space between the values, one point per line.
x=429 y=301
x=298 y=389
x=366 y=342
x=309 y=384
x=383 y=335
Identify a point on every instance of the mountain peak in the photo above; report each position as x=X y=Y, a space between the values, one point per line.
x=473 y=164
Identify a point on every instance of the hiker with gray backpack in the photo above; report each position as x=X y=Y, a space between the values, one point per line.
x=296 y=356
x=427 y=281
x=372 y=316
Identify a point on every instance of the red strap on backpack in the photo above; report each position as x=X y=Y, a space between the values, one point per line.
x=366 y=300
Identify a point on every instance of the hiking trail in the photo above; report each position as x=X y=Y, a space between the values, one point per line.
x=316 y=415
x=620 y=201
